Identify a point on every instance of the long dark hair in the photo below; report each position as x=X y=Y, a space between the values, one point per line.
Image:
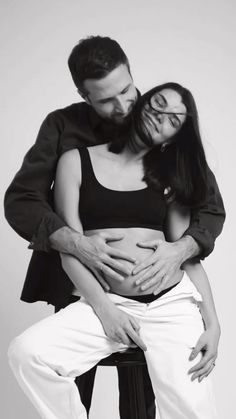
x=182 y=167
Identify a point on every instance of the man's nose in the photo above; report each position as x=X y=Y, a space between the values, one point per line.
x=122 y=105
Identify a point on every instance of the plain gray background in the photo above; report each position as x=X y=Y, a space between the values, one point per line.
x=188 y=41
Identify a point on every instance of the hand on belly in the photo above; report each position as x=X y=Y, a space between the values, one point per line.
x=128 y=244
x=128 y=286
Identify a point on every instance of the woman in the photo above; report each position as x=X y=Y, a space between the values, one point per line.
x=128 y=186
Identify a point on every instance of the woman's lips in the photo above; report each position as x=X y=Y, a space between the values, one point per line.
x=151 y=121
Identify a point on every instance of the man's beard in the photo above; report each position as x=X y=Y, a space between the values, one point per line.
x=122 y=134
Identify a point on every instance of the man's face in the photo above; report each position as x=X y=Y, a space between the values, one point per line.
x=114 y=96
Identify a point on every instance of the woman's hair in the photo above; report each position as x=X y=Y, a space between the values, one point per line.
x=182 y=167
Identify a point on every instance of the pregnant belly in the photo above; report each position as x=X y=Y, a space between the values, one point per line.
x=129 y=244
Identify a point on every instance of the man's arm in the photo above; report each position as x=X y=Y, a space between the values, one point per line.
x=28 y=200
x=206 y=224
x=208 y=219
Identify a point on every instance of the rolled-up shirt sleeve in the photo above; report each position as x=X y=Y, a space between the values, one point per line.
x=28 y=200
x=208 y=219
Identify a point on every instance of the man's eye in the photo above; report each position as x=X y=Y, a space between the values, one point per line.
x=125 y=90
x=103 y=102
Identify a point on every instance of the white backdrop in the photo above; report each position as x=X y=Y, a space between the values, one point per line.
x=188 y=41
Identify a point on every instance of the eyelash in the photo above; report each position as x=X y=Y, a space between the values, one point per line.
x=125 y=91
x=160 y=103
x=174 y=123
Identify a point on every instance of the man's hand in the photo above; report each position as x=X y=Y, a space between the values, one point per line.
x=121 y=327
x=94 y=252
x=157 y=270
x=207 y=344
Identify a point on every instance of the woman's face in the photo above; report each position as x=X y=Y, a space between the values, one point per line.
x=164 y=118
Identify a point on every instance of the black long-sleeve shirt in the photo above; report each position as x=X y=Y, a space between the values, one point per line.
x=29 y=203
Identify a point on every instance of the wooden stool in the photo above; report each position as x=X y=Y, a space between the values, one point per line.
x=132 y=357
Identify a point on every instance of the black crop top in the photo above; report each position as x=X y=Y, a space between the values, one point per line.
x=100 y=207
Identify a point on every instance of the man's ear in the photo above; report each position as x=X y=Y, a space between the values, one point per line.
x=84 y=96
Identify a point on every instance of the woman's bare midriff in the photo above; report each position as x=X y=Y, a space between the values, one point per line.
x=128 y=244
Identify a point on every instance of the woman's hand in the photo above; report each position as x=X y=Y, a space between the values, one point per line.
x=207 y=344
x=156 y=270
x=120 y=326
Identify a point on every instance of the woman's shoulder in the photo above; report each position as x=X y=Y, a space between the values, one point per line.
x=70 y=161
x=70 y=156
x=98 y=149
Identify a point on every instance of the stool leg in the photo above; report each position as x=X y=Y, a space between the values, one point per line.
x=132 y=397
x=85 y=384
x=148 y=394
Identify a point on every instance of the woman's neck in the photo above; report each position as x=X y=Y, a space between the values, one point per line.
x=133 y=153
x=135 y=147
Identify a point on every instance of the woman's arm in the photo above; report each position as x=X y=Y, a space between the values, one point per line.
x=117 y=324
x=177 y=223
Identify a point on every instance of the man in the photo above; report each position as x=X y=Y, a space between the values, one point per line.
x=101 y=73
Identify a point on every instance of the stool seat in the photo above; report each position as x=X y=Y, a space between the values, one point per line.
x=130 y=357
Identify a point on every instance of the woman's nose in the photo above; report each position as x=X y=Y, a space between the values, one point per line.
x=160 y=117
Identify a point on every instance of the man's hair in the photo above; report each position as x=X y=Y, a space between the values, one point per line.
x=94 y=58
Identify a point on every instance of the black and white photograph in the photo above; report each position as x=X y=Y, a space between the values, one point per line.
x=118 y=212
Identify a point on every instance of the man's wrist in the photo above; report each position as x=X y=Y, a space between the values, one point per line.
x=65 y=240
x=188 y=248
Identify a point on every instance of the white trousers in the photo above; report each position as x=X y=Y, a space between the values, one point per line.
x=48 y=356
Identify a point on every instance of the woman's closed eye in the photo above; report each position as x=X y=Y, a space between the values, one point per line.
x=157 y=102
x=174 y=121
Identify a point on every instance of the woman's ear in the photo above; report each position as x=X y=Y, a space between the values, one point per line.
x=163 y=147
